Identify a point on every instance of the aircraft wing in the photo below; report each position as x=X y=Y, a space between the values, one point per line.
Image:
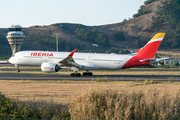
x=69 y=61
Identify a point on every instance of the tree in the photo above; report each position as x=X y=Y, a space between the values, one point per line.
x=143 y=41
x=93 y=36
x=119 y=35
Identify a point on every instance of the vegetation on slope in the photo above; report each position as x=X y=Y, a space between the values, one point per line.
x=149 y=1
x=119 y=35
x=51 y=42
x=93 y=36
x=170 y=12
x=141 y=11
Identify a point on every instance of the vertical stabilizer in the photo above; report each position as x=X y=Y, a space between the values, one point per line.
x=150 y=49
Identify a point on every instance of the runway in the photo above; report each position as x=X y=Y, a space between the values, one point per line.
x=19 y=76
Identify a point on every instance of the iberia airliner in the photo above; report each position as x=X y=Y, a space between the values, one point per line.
x=54 y=61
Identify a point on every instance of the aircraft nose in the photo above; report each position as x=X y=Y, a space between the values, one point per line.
x=10 y=60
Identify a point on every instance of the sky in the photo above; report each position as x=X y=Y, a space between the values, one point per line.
x=47 y=12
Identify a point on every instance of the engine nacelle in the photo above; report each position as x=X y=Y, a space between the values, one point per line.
x=49 y=67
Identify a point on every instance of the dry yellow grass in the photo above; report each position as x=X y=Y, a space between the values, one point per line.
x=145 y=104
x=63 y=91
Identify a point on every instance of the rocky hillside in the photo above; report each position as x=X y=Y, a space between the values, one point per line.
x=138 y=27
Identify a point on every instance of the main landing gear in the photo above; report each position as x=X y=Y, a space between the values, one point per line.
x=79 y=74
x=75 y=74
x=87 y=73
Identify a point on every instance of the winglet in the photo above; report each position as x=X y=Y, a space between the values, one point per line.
x=72 y=53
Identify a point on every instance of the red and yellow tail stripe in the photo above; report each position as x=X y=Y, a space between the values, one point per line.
x=147 y=53
x=157 y=37
x=149 y=50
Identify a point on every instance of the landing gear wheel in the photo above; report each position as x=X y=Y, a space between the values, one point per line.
x=18 y=70
x=72 y=74
x=78 y=74
x=87 y=74
x=75 y=74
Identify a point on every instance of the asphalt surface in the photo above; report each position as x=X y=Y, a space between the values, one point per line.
x=3 y=65
x=18 y=76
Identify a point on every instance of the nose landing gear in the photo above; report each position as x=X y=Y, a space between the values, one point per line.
x=18 y=70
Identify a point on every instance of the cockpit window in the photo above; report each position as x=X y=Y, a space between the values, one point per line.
x=18 y=55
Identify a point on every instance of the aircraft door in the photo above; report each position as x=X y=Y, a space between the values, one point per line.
x=89 y=59
x=45 y=58
x=125 y=60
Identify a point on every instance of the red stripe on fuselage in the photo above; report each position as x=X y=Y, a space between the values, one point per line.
x=134 y=62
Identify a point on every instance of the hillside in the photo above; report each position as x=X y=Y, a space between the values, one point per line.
x=155 y=16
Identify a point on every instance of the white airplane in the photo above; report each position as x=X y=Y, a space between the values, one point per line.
x=54 y=61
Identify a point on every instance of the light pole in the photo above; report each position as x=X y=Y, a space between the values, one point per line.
x=56 y=42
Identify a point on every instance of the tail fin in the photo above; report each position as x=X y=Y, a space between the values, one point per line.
x=149 y=50
x=138 y=50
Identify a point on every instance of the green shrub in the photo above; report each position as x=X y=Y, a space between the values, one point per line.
x=92 y=79
x=104 y=79
x=34 y=110
x=119 y=35
x=170 y=79
x=8 y=109
x=151 y=81
x=146 y=81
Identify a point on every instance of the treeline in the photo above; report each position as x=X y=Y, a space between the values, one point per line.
x=141 y=11
x=50 y=41
x=149 y=1
x=170 y=12
x=142 y=41
x=93 y=36
x=119 y=35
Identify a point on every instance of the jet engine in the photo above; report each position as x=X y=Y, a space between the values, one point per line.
x=49 y=67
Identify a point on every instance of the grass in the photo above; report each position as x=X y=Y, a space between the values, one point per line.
x=60 y=91
x=97 y=99
x=145 y=104
x=132 y=71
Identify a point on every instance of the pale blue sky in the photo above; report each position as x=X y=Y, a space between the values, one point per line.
x=46 y=12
